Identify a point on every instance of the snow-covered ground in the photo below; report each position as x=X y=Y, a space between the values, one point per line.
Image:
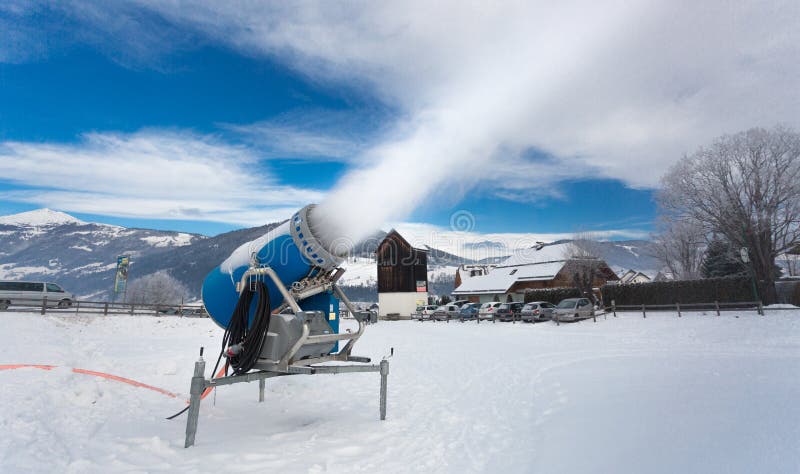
x=696 y=394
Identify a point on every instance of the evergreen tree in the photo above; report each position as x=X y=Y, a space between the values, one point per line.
x=721 y=259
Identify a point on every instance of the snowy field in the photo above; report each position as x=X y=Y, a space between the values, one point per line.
x=696 y=394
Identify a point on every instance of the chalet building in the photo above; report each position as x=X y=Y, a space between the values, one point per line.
x=632 y=276
x=545 y=266
x=402 y=276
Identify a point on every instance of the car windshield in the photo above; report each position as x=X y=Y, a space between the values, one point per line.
x=529 y=306
x=567 y=304
x=505 y=306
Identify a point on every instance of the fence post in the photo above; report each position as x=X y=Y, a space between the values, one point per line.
x=105 y=309
x=614 y=307
x=678 y=305
x=44 y=305
x=594 y=316
x=644 y=314
x=760 y=309
x=716 y=306
x=131 y=309
x=77 y=307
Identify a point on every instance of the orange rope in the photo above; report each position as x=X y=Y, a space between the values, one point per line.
x=116 y=378
x=104 y=375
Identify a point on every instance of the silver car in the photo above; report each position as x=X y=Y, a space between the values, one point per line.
x=424 y=312
x=445 y=312
x=573 y=309
x=487 y=310
x=31 y=293
x=537 y=311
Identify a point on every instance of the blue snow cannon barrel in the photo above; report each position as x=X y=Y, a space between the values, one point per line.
x=294 y=250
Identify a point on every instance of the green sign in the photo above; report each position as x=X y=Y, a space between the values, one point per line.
x=121 y=280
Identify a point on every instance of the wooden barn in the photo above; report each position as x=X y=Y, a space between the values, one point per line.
x=402 y=276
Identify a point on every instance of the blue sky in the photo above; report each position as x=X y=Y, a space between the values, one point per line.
x=211 y=117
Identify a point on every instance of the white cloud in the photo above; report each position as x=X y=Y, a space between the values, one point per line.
x=611 y=89
x=150 y=174
x=310 y=135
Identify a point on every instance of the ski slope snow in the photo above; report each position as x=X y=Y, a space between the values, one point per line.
x=660 y=395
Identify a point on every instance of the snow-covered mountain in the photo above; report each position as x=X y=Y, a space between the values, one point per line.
x=53 y=246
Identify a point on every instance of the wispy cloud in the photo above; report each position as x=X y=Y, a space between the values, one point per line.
x=310 y=134
x=150 y=174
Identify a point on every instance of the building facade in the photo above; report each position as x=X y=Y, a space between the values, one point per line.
x=547 y=266
x=402 y=276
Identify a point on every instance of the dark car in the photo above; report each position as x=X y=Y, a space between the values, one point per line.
x=537 y=311
x=508 y=311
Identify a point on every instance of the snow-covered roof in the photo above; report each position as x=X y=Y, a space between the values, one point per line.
x=531 y=264
x=39 y=217
x=529 y=256
x=500 y=279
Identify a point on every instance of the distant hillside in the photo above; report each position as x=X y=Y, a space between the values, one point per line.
x=53 y=246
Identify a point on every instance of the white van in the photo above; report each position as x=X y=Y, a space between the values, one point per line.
x=29 y=292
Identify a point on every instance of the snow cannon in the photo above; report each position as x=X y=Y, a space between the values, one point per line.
x=277 y=298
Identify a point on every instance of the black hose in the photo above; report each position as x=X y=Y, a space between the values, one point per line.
x=249 y=338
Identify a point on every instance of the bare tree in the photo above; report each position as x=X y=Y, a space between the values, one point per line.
x=156 y=288
x=583 y=265
x=747 y=188
x=679 y=246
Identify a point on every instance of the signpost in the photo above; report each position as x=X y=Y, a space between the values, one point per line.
x=121 y=278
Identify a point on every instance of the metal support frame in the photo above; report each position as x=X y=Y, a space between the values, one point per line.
x=287 y=365
x=200 y=384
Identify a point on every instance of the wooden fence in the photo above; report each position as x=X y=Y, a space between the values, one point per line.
x=105 y=308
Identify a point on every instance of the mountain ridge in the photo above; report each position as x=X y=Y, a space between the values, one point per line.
x=54 y=246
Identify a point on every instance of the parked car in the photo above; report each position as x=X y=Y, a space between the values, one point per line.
x=460 y=303
x=445 y=312
x=508 y=311
x=29 y=293
x=537 y=311
x=469 y=311
x=425 y=312
x=574 y=309
x=487 y=309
